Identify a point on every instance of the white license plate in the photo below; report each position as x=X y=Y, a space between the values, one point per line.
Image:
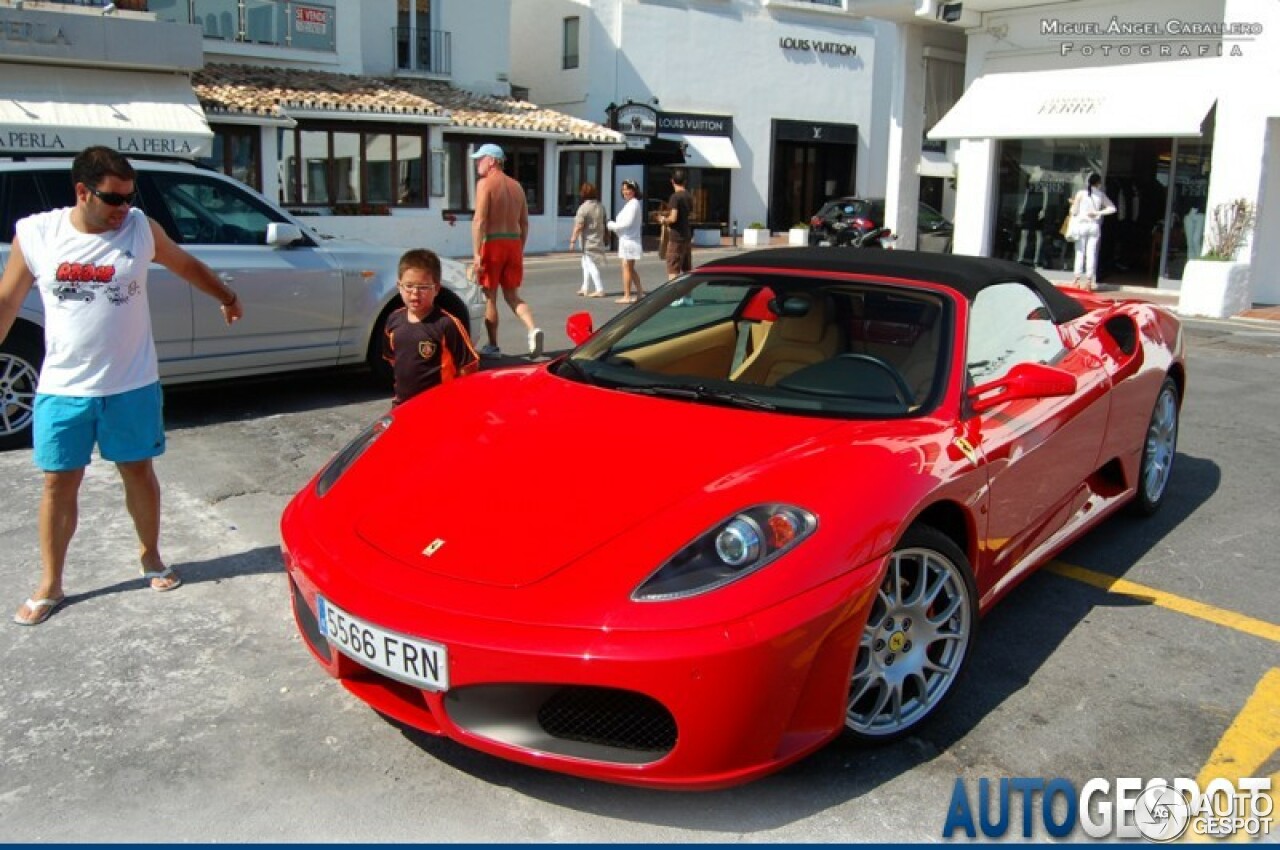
x=416 y=662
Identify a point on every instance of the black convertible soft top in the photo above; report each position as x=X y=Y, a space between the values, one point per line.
x=967 y=275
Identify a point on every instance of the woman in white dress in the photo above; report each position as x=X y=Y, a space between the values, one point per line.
x=1087 y=209
x=628 y=226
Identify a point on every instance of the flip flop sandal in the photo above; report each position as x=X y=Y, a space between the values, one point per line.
x=166 y=573
x=41 y=610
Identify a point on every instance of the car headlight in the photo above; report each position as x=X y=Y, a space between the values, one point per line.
x=343 y=459
x=732 y=549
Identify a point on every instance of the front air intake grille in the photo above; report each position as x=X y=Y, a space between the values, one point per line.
x=608 y=717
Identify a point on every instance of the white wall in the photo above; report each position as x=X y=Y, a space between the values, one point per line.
x=1244 y=159
x=721 y=58
x=481 y=41
x=537 y=37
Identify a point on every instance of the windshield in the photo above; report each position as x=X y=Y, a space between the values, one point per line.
x=776 y=342
x=844 y=208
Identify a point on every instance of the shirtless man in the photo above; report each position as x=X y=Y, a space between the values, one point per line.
x=498 y=233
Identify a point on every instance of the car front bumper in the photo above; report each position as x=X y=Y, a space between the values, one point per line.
x=685 y=708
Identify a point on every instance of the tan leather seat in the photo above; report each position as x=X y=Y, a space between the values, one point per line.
x=792 y=342
x=920 y=366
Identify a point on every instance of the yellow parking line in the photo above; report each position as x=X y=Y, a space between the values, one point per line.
x=1250 y=743
x=1218 y=616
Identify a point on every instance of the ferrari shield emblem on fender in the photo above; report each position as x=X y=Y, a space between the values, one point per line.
x=433 y=547
x=426 y=348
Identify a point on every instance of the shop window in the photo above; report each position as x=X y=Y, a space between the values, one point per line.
x=523 y=163
x=943 y=85
x=351 y=170
x=237 y=152
x=1036 y=180
x=576 y=168
x=708 y=187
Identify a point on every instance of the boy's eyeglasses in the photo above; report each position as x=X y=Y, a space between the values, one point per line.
x=420 y=288
x=114 y=199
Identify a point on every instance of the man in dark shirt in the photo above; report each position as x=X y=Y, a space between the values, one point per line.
x=679 y=228
x=424 y=345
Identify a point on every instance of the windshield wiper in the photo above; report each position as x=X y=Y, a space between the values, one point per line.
x=576 y=367
x=700 y=392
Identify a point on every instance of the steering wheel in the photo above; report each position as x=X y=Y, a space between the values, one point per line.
x=902 y=392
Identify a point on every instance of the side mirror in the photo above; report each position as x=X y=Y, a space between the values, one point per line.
x=579 y=328
x=1026 y=380
x=281 y=234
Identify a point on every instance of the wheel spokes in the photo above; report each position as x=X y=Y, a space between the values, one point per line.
x=913 y=643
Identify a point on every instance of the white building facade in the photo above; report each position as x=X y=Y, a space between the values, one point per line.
x=1172 y=102
x=362 y=115
x=773 y=106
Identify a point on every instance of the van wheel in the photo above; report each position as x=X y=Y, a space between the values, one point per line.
x=20 y=357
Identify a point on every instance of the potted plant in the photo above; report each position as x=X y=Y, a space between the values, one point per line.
x=798 y=234
x=1215 y=284
x=755 y=234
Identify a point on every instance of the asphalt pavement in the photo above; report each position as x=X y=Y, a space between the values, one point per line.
x=198 y=715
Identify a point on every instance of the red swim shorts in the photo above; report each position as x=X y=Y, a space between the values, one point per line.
x=501 y=263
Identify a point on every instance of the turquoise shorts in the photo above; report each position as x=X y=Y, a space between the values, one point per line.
x=127 y=427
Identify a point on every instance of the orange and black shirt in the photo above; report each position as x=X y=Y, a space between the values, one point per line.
x=427 y=353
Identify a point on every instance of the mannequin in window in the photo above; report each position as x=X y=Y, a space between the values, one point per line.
x=1031 y=219
x=1193 y=229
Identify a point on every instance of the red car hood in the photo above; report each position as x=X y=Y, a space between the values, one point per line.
x=508 y=476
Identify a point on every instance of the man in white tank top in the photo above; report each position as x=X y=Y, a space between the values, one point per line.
x=100 y=380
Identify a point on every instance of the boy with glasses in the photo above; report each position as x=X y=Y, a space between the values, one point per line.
x=99 y=382
x=425 y=345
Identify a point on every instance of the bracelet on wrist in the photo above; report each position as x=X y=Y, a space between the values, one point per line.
x=235 y=296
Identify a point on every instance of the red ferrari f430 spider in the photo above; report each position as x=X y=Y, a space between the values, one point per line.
x=764 y=507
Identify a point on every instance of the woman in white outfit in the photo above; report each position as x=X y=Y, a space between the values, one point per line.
x=588 y=225
x=1087 y=209
x=628 y=225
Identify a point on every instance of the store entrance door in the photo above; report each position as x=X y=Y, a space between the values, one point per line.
x=1137 y=183
x=806 y=177
x=812 y=163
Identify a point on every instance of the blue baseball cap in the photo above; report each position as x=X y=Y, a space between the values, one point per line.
x=489 y=149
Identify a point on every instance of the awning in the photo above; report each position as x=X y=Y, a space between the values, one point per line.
x=64 y=110
x=1120 y=101
x=706 y=151
x=658 y=151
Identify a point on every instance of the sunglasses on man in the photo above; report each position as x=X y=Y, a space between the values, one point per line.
x=113 y=199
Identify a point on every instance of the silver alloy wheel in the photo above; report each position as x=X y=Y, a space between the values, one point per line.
x=1162 y=439
x=18 y=380
x=913 y=646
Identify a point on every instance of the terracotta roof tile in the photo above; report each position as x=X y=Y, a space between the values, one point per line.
x=272 y=92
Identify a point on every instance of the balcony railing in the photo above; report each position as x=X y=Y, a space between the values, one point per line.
x=424 y=51
x=278 y=23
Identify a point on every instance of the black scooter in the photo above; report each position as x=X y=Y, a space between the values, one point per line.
x=876 y=237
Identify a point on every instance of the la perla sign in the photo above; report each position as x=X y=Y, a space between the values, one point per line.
x=26 y=32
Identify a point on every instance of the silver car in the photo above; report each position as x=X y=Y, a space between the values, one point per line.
x=310 y=301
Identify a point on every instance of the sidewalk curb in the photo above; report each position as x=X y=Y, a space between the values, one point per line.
x=1165 y=297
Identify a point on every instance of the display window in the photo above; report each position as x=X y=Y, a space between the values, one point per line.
x=1159 y=187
